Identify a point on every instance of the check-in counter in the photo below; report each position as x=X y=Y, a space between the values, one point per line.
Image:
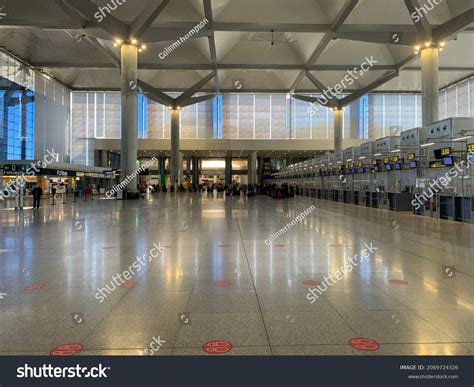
x=356 y=198
x=400 y=201
x=374 y=199
x=463 y=209
x=347 y=197
x=446 y=207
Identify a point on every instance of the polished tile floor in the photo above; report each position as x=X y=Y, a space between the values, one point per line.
x=218 y=280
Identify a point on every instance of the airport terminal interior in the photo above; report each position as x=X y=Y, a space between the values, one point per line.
x=236 y=177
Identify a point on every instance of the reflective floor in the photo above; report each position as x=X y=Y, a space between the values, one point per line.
x=215 y=278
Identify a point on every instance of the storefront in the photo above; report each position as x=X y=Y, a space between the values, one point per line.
x=64 y=178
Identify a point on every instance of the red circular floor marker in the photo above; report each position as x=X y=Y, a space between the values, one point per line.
x=129 y=285
x=34 y=287
x=222 y=284
x=66 y=350
x=363 y=344
x=398 y=282
x=311 y=283
x=216 y=347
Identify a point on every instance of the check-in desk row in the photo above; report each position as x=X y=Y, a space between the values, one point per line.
x=401 y=201
x=392 y=172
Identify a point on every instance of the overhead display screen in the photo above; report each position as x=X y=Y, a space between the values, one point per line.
x=440 y=153
x=448 y=161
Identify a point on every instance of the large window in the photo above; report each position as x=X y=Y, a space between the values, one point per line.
x=457 y=100
x=17 y=110
x=252 y=116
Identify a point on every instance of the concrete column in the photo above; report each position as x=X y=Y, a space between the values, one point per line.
x=252 y=168
x=228 y=170
x=260 y=171
x=181 y=170
x=104 y=159
x=188 y=167
x=429 y=84
x=129 y=95
x=175 y=154
x=195 y=170
x=161 y=165
x=97 y=158
x=338 y=116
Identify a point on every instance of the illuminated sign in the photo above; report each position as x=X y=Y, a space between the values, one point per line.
x=386 y=160
x=470 y=147
x=14 y=169
x=396 y=159
x=436 y=164
x=440 y=153
x=411 y=156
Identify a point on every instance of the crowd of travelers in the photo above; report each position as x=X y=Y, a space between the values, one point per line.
x=273 y=191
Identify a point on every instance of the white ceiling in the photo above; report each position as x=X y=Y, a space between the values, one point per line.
x=43 y=35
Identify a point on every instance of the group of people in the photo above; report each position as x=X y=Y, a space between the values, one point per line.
x=236 y=189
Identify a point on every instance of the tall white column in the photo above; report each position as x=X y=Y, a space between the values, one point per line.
x=252 y=168
x=175 y=153
x=129 y=94
x=429 y=84
x=228 y=170
x=338 y=116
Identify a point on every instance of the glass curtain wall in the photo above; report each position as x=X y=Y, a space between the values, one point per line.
x=17 y=110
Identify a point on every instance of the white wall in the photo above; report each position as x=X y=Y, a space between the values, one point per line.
x=52 y=111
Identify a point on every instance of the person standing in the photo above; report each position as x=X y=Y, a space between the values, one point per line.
x=37 y=193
